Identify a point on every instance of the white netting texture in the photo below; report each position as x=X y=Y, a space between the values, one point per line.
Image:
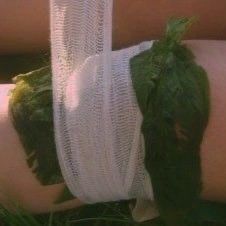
x=97 y=119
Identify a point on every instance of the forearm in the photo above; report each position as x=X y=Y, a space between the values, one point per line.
x=24 y=25
x=136 y=21
x=211 y=55
x=18 y=184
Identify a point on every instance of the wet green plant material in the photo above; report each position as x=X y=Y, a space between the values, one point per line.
x=173 y=96
x=32 y=116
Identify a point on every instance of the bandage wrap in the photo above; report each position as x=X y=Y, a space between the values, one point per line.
x=97 y=119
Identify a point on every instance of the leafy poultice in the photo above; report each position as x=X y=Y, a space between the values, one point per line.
x=173 y=95
x=32 y=116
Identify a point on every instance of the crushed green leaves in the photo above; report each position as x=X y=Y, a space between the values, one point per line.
x=173 y=95
x=32 y=116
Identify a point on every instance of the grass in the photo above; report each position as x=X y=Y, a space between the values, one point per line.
x=109 y=214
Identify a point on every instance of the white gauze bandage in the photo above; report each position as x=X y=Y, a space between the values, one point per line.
x=97 y=119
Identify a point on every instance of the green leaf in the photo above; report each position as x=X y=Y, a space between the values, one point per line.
x=176 y=28
x=173 y=94
x=32 y=114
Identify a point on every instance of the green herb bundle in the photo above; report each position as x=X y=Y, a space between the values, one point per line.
x=173 y=96
x=32 y=115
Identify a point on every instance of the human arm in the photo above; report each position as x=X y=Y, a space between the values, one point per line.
x=24 y=25
x=23 y=186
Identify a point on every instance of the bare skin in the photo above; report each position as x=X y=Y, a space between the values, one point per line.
x=211 y=55
x=136 y=21
x=24 y=25
x=133 y=25
x=18 y=183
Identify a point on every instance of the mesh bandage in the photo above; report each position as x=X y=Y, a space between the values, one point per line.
x=97 y=120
